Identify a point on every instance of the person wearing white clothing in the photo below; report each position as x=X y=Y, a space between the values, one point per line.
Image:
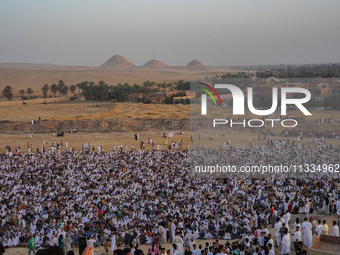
x=285 y=243
x=337 y=204
x=335 y=229
x=277 y=227
x=319 y=228
x=173 y=231
x=307 y=232
x=271 y=250
x=297 y=237
x=113 y=242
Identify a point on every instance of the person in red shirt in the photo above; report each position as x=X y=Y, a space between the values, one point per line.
x=290 y=207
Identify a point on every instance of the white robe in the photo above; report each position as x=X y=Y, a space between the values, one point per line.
x=113 y=243
x=338 y=207
x=285 y=244
x=162 y=231
x=179 y=242
x=187 y=240
x=173 y=231
x=307 y=232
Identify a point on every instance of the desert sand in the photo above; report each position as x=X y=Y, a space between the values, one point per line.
x=23 y=76
x=60 y=109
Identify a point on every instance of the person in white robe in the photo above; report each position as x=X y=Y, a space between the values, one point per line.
x=113 y=242
x=285 y=243
x=7 y=242
x=335 y=229
x=188 y=238
x=173 y=231
x=277 y=234
x=307 y=233
x=15 y=240
x=337 y=204
x=179 y=243
x=162 y=232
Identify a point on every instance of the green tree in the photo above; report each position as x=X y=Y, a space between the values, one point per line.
x=7 y=92
x=168 y=100
x=73 y=88
x=104 y=90
x=147 y=85
x=22 y=94
x=61 y=87
x=163 y=86
x=45 y=89
x=54 y=89
x=64 y=90
x=169 y=85
x=29 y=91
x=79 y=87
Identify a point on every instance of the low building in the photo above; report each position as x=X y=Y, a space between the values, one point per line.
x=134 y=97
x=320 y=92
x=155 y=98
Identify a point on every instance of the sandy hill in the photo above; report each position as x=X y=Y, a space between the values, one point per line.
x=117 y=61
x=154 y=63
x=195 y=63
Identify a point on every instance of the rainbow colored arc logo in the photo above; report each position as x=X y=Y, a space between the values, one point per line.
x=208 y=92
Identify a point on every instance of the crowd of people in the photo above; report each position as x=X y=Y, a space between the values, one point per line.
x=310 y=159
x=127 y=198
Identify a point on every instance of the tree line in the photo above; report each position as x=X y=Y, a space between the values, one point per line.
x=304 y=71
x=99 y=91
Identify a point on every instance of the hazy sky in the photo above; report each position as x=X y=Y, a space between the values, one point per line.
x=216 y=32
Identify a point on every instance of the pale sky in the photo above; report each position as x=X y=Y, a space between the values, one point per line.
x=216 y=32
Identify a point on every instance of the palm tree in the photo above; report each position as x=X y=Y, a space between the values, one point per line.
x=159 y=86
x=152 y=84
x=169 y=85
x=79 y=86
x=22 y=94
x=60 y=86
x=54 y=89
x=163 y=85
x=147 y=85
x=64 y=90
x=45 y=89
x=103 y=88
x=73 y=88
x=29 y=91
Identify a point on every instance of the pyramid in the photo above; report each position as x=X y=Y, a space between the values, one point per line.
x=154 y=63
x=117 y=61
x=195 y=63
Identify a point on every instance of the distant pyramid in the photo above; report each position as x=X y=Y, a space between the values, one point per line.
x=117 y=61
x=154 y=63
x=195 y=63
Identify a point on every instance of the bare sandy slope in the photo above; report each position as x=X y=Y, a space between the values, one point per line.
x=36 y=77
x=58 y=109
